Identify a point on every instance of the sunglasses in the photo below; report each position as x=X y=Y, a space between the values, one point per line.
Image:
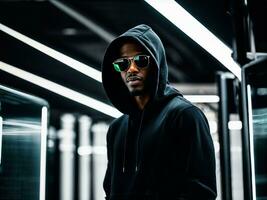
x=122 y=64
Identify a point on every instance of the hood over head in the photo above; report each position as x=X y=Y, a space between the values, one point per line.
x=113 y=84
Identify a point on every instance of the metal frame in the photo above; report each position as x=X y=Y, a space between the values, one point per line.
x=224 y=138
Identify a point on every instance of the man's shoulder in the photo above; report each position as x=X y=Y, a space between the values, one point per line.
x=119 y=121
x=116 y=126
x=179 y=105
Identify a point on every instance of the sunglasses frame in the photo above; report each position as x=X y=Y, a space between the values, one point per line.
x=130 y=60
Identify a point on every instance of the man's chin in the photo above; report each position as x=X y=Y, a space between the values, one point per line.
x=137 y=92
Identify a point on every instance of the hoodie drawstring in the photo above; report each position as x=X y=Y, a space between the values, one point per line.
x=138 y=138
x=124 y=153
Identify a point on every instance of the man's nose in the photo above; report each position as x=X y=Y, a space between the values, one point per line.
x=133 y=68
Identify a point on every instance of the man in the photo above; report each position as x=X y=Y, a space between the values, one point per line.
x=161 y=148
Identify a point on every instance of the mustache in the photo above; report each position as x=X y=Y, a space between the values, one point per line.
x=132 y=77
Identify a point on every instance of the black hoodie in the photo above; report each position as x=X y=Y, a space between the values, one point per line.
x=163 y=152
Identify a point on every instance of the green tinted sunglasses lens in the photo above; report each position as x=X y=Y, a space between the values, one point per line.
x=141 y=61
x=121 y=65
x=116 y=67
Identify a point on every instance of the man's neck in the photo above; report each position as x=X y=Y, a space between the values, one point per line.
x=142 y=101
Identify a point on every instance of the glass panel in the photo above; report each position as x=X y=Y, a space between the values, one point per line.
x=255 y=87
x=259 y=119
x=21 y=145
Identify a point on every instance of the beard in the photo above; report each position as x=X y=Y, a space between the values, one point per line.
x=147 y=87
x=137 y=92
x=145 y=90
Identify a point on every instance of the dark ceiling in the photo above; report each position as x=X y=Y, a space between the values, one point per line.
x=45 y=22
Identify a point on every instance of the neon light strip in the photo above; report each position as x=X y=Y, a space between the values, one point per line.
x=251 y=142
x=61 y=90
x=197 y=32
x=1 y=135
x=202 y=98
x=44 y=125
x=74 y=64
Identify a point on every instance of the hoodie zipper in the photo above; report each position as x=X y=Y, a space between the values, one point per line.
x=137 y=146
x=137 y=143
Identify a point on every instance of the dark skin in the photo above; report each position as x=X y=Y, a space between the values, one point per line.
x=135 y=78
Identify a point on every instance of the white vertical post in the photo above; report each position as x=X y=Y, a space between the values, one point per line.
x=251 y=141
x=84 y=158
x=1 y=135
x=67 y=148
x=44 y=125
x=100 y=158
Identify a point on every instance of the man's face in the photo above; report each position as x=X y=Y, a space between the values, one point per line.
x=135 y=78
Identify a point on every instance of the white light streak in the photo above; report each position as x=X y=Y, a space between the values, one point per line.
x=44 y=125
x=61 y=90
x=197 y=32
x=1 y=135
x=20 y=123
x=74 y=64
x=202 y=98
x=251 y=142
x=18 y=132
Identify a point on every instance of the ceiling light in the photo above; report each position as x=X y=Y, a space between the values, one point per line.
x=197 y=32
x=61 y=90
x=74 y=64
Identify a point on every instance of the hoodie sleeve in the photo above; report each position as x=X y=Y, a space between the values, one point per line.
x=107 y=179
x=200 y=166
